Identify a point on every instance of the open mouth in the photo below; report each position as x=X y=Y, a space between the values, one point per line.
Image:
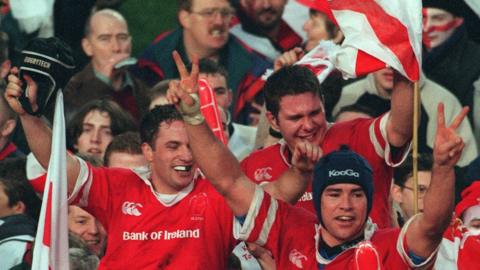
x=183 y=168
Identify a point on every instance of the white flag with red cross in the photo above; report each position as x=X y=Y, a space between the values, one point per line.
x=51 y=242
x=378 y=33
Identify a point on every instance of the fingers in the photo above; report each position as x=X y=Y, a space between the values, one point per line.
x=182 y=70
x=195 y=69
x=177 y=93
x=449 y=152
x=458 y=120
x=31 y=92
x=288 y=58
x=14 y=91
x=440 y=115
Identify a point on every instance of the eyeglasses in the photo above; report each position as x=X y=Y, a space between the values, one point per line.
x=422 y=190
x=210 y=13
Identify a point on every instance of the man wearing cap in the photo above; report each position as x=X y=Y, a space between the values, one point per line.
x=451 y=58
x=342 y=195
x=108 y=43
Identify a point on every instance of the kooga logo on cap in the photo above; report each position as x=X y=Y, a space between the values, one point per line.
x=347 y=172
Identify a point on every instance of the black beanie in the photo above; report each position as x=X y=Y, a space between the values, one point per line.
x=49 y=62
x=342 y=167
x=456 y=7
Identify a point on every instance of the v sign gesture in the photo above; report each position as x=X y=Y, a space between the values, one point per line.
x=448 y=144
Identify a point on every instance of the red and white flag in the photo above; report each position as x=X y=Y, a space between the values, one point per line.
x=51 y=242
x=378 y=33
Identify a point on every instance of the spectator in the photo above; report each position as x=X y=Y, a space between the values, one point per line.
x=319 y=25
x=260 y=26
x=375 y=92
x=241 y=137
x=94 y=126
x=402 y=189
x=295 y=108
x=343 y=197
x=203 y=32
x=450 y=57
x=19 y=210
x=88 y=229
x=108 y=43
x=125 y=151
x=8 y=122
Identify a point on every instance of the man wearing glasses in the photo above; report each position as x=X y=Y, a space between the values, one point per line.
x=204 y=32
x=402 y=189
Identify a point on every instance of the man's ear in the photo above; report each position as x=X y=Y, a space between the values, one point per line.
x=272 y=120
x=19 y=208
x=87 y=47
x=8 y=127
x=396 y=193
x=147 y=152
x=184 y=19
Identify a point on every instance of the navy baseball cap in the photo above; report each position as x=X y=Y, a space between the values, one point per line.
x=342 y=167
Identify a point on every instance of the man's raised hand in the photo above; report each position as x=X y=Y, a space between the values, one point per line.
x=180 y=90
x=448 y=144
x=14 y=91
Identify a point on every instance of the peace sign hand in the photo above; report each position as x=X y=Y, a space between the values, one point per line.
x=180 y=91
x=448 y=144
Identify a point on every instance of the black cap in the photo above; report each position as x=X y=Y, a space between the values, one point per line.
x=342 y=167
x=50 y=63
x=456 y=7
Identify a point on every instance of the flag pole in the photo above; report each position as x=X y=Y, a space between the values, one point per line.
x=416 y=109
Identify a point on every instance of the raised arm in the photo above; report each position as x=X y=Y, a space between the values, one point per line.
x=400 y=125
x=425 y=232
x=39 y=136
x=215 y=160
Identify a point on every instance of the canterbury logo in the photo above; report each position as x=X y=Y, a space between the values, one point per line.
x=131 y=208
x=348 y=172
x=296 y=258
x=263 y=174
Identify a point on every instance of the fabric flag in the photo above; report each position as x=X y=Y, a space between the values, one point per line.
x=209 y=109
x=51 y=241
x=378 y=33
x=474 y=5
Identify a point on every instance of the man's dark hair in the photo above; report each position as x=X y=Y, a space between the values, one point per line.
x=405 y=170
x=13 y=180
x=289 y=80
x=151 y=122
x=210 y=67
x=128 y=142
x=120 y=120
x=184 y=5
